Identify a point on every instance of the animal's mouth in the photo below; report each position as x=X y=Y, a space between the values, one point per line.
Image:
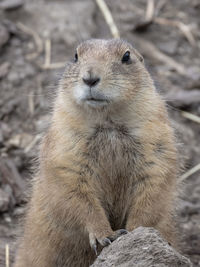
x=96 y=101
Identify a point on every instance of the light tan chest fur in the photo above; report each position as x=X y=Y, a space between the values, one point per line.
x=113 y=155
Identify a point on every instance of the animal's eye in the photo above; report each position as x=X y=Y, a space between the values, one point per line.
x=126 y=57
x=76 y=57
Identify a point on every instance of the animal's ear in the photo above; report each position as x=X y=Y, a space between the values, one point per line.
x=139 y=56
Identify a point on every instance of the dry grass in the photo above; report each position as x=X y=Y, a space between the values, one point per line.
x=108 y=18
x=191 y=116
x=190 y=172
x=7 y=260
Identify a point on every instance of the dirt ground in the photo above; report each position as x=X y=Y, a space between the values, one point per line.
x=28 y=87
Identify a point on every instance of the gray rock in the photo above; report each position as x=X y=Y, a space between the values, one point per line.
x=168 y=47
x=4 y=35
x=4 y=201
x=183 y=98
x=11 y=4
x=4 y=69
x=143 y=247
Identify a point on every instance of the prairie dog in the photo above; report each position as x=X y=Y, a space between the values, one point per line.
x=108 y=162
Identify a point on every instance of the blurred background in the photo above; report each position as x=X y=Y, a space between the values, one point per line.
x=37 y=38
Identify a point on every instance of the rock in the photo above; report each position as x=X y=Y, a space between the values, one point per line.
x=4 y=201
x=183 y=98
x=187 y=144
x=5 y=131
x=9 y=5
x=193 y=73
x=143 y=247
x=8 y=190
x=14 y=77
x=9 y=107
x=1 y=138
x=4 y=68
x=4 y=35
x=11 y=27
x=9 y=175
x=20 y=141
x=188 y=208
x=169 y=47
x=7 y=200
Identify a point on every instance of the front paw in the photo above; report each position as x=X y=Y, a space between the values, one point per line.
x=106 y=239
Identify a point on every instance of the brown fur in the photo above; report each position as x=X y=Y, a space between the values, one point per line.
x=101 y=168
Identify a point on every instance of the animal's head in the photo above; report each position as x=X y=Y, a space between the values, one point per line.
x=104 y=73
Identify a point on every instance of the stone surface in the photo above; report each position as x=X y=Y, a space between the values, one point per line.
x=4 y=201
x=143 y=247
x=4 y=35
x=67 y=29
x=11 y=4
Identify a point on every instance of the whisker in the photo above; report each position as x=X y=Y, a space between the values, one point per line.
x=70 y=76
x=116 y=85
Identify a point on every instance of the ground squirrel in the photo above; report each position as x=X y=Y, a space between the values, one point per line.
x=108 y=162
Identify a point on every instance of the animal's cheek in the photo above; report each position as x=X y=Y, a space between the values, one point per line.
x=111 y=91
x=80 y=93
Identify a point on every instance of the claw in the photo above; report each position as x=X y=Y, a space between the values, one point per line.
x=108 y=241
x=94 y=247
x=123 y=231
x=93 y=242
x=105 y=242
x=118 y=233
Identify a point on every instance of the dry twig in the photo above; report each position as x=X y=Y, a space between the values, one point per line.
x=150 y=17
x=150 y=50
x=150 y=10
x=191 y=116
x=146 y=47
x=108 y=18
x=36 y=37
x=33 y=143
x=56 y=65
x=185 y=29
x=39 y=45
x=159 y=6
x=7 y=255
x=47 y=64
x=190 y=172
x=31 y=103
x=47 y=52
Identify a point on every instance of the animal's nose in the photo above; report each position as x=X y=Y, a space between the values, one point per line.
x=91 y=81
